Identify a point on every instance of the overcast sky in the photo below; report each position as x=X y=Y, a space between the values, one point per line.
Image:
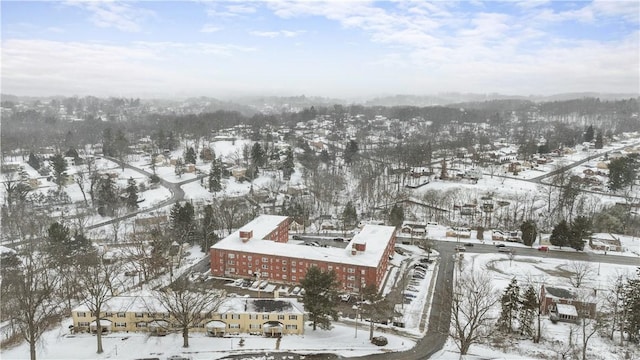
x=334 y=48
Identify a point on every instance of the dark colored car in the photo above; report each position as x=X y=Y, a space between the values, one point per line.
x=468 y=244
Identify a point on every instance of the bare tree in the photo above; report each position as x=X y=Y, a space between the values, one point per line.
x=614 y=302
x=33 y=288
x=96 y=279
x=374 y=306
x=581 y=271
x=188 y=308
x=473 y=297
x=590 y=323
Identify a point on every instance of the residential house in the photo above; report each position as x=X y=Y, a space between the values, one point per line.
x=565 y=305
x=605 y=241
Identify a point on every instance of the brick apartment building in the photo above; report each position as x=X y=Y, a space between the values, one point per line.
x=261 y=249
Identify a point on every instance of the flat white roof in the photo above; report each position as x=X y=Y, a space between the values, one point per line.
x=376 y=238
x=566 y=309
x=148 y=303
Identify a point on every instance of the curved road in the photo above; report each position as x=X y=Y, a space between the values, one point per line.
x=177 y=194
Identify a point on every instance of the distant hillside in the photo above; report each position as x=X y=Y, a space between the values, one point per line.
x=459 y=98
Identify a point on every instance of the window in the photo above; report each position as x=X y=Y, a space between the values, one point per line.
x=284 y=277
x=121 y=324
x=234 y=326
x=265 y=267
x=351 y=270
x=253 y=316
x=231 y=262
x=351 y=277
x=291 y=327
x=109 y=314
x=293 y=317
x=265 y=316
x=265 y=274
x=141 y=324
x=249 y=258
x=82 y=314
x=151 y=315
x=284 y=262
x=329 y=267
x=231 y=256
x=293 y=278
x=121 y=315
x=264 y=259
x=83 y=323
x=235 y=316
x=231 y=270
x=284 y=268
x=255 y=326
x=280 y=317
x=293 y=263
x=249 y=265
x=363 y=271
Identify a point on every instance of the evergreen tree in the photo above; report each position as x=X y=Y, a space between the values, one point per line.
x=34 y=161
x=599 y=141
x=258 y=155
x=288 y=166
x=179 y=168
x=510 y=302
x=560 y=234
x=528 y=308
x=588 y=135
x=580 y=229
x=349 y=216
x=529 y=232
x=59 y=165
x=132 y=194
x=106 y=197
x=208 y=225
x=324 y=156
x=350 y=151
x=190 y=156
x=631 y=301
x=396 y=215
x=215 y=176
x=320 y=297
x=623 y=171
x=182 y=221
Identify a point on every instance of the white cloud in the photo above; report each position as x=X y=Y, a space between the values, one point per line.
x=274 y=34
x=41 y=67
x=210 y=28
x=119 y=15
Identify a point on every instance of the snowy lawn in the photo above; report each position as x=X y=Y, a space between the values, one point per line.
x=59 y=344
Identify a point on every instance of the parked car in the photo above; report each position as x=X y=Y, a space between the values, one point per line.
x=345 y=297
x=379 y=341
x=506 y=250
x=297 y=237
x=460 y=248
x=543 y=248
x=295 y=291
x=468 y=244
x=501 y=245
x=339 y=239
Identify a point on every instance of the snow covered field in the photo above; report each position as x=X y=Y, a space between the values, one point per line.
x=58 y=344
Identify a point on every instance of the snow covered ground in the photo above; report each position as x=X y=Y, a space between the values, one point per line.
x=59 y=344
